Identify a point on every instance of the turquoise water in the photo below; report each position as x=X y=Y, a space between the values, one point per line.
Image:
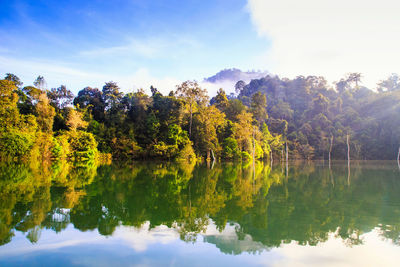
x=233 y=214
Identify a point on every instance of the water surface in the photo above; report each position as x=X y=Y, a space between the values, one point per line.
x=232 y=214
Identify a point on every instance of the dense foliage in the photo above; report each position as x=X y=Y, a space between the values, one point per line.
x=183 y=125
x=37 y=124
x=312 y=118
x=313 y=115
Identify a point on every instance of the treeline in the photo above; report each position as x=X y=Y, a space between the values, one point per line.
x=316 y=118
x=311 y=117
x=183 y=125
x=29 y=129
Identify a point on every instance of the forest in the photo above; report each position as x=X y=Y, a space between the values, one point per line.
x=305 y=116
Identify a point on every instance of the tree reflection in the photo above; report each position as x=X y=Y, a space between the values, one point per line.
x=266 y=207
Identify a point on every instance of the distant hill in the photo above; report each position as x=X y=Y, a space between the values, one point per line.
x=235 y=75
x=227 y=79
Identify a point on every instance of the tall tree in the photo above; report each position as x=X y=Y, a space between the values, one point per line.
x=193 y=95
x=45 y=113
x=207 y=122
x=392 y=83
x=243 y=130
x=40 y=83
x=60 y=97
x=111 y=95
x=258 y=107
x=239 y=86
x=28 y=99
x=235 y=107
x=92 y=99
x=14 y=78
x=75 y=121
x=9 y=115
x=220 y=100
x=355 y=78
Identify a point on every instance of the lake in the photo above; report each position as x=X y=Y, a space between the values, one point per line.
x=228 y=214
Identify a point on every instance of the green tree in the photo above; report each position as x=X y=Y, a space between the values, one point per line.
x=243 y=130
x=44 y=114
x=207 y=122
x=60 y=97
x=355 y=78
x=75 y=121
x=9 y=115
x=220 y=100
x=193 y=96
x=111 y=95
x=392 y=83
x=235 y=108
x=258 y=107
x=40 y=83
x=269 y=142
x=14 y=78
x=230 y=149
x=91 y=98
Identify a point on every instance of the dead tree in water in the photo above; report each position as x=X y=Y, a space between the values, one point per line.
x=212 y=154
x=398 y=158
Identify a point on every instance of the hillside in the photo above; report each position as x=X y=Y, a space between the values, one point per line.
x=309 y=113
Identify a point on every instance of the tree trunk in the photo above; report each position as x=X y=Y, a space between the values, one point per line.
x=398 y=158
x=272 y=159
x=348 y=149
x=348 y=160
x=330 y=151
x=287 y=152
x=254 y=146
x=190 y=123
x=212 y=154
x=287 y=160
x=254 y=156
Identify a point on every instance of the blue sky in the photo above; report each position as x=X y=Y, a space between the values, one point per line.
x=140 y=43
x=85 y=43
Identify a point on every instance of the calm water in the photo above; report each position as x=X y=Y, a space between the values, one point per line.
x=153 y=214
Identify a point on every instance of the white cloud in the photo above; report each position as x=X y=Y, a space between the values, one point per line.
x=374 y=252
x=142 y=78
x=212 y=88
x=150 y=48
x=57 y=73
x=140 y=238
x=147 y=49
x=330 y=38
x=42 y=67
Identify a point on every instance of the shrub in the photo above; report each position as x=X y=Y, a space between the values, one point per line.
x=230 y=148
x=60 y=148
x=163 y=150
x=15 y=144
x=187 y=153
x=125 y=148
x=83 y=146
